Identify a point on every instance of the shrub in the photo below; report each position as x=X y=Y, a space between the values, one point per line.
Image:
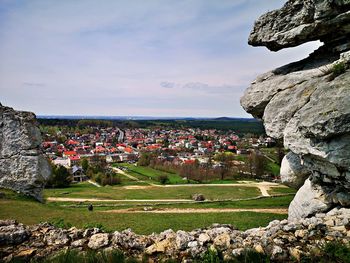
x=60 y=177
x=330 y=252
x=338 y=69
x=60 y=223
x=163 y=179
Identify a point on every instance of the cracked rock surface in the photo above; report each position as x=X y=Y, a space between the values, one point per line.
x=307 y=103
x=23 y=167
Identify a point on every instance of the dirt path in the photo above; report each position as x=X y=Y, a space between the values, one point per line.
x=125 y=174
x=195 y=210
x=68 y=199
x=94 y=183
x=264 y=187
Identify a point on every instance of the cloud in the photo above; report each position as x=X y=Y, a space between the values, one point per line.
x=202 y=87
x=112 y=57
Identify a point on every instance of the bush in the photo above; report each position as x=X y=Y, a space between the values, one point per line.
x=60 y=223
x=107 y=179
x=163 y=179
x=60 y=177
x=338 y=69
x=336 y=252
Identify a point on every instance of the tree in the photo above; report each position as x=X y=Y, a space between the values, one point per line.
x=60 y=177
x=85 y=165
x=145 y=159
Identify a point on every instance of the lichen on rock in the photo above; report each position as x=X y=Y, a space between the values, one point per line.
x=23 y=166
x=307 y=103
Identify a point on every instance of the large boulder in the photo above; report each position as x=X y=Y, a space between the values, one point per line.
x=23 y=167
x=300 y=21
x=307 y=103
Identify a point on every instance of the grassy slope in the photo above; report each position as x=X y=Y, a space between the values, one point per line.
x=86 y=190
x=31 y=212
x=150 y=174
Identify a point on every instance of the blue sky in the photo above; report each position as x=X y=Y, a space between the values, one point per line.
x=133 y=57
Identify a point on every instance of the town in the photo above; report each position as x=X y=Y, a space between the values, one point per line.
x=195 y=154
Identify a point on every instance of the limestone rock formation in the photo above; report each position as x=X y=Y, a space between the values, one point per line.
x=307 y=103
x=23 y=167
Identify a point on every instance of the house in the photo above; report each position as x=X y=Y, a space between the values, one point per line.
x=61 y=161
x=73 y=160
x=78 y=174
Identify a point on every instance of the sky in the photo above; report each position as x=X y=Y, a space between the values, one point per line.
x=133 y=57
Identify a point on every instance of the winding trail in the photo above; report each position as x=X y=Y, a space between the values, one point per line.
x=197 y=210
x=68 y=199
x=264 y=187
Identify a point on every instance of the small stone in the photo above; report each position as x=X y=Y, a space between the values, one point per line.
x=276 y=250
x=182 y=239
x=222 y=241
x=330 y=222
x=161 y=246
x=193 y=244
x=339 y=228
x=237 y=252
x=78 y=243
x=300 y=233
x=295 y=253
x=198 y=197
x=98 y=240
x=27 y=253
x=203 y=238
x=258 y=248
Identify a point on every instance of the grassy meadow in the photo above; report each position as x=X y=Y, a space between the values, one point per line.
x=29 y=211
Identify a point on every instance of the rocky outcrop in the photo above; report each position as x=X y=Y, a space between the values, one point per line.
x=23 y=167
x=307 y=103
x=281 y=240
x=300 y=21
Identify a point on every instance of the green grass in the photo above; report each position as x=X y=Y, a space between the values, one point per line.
x=265 y=202
x=150 y=174
x=31 y=212
x=273 y=168
x=282 y=190
x=86 y=190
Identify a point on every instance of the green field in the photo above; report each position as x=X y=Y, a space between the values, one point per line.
x=31 y=212
x=149 y=174
x=28 y=211
x=86 y=190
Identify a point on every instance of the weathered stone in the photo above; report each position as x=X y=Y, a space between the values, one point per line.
x=300 y=21
x=203 y=238
x=56 y=237
x=258 y=248
x=23 y=167
x=307 y=201
x=198 y=197
x=12 y=233
x=280 y=239
x=182 y=239
x=307 y=102
x=222 y=241
x=78 y=243
x=161 y=246
x=98 y=241
x=292 y=172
